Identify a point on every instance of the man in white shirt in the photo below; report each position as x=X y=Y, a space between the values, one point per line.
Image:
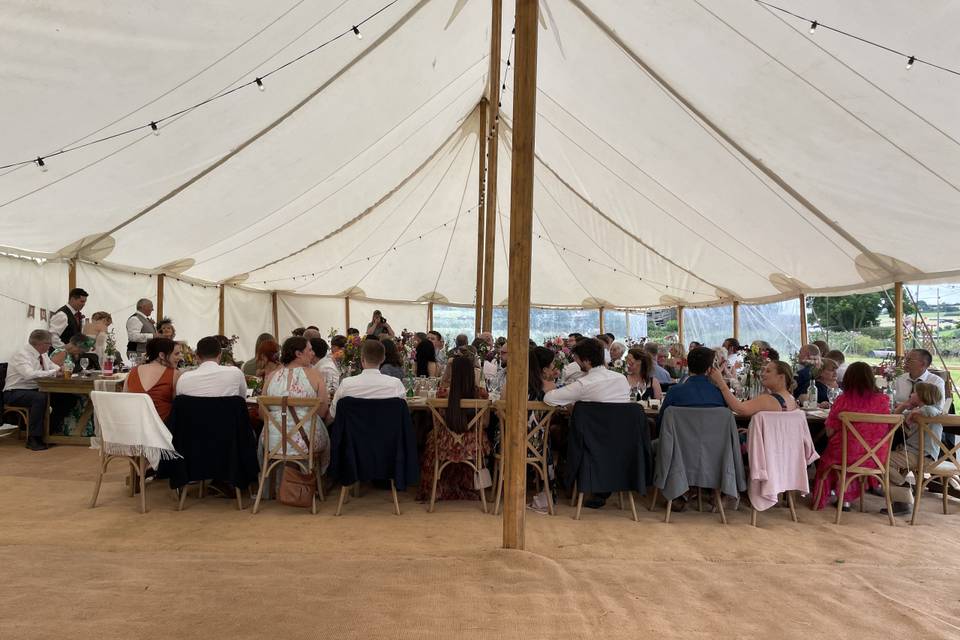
x=734 y=357
x=211 y=379
x=20 y=390
x=140 y=327
x=438 y=346
x=916 y=364
x=326 y=362
x=67 y=321
x=598 y=384
x=370 y=384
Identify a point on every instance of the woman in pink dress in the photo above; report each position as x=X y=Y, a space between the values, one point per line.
x=860 y=395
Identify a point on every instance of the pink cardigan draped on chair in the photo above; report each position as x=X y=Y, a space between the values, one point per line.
x=780 y=450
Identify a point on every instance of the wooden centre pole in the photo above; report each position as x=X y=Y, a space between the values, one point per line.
x=493 y=120
x=680 y=325
x=803 y=319
x=898 y=318
x=430 y=316
x=601 y=321
x=71 y=275
x=221 y=329
x=346 y=313
x=521 y=233
x=481 y=215
x=160 y=279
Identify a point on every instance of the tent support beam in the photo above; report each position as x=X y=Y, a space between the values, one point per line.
x=496 y=28
x=898 y=318
x=72 y=275
x=680 y=325
x=160 y=279
x=221 y=329
x=481 y=215
x=736 y=320
x=430 y=316
x=521 y=235
x=276 y=323
x=803 y=319
x=602 y=331
x=346 y=313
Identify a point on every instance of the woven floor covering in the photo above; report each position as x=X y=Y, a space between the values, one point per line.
x=213 y=572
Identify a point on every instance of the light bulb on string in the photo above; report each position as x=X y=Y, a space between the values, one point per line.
x=813 y=26
x=357 y=33
x=156 y=129
x=41 y=164
x=260 y=84
x=910 y=62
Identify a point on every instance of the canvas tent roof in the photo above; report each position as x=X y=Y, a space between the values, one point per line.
x=687 y=151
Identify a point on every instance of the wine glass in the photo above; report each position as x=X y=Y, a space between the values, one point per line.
x=84 y=363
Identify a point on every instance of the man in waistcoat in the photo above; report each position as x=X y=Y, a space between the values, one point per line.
x=140 y=327
x=67 y=321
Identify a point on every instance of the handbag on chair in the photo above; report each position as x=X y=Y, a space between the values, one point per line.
x=296 y=487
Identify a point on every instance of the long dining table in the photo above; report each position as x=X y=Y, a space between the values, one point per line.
x=77 y=385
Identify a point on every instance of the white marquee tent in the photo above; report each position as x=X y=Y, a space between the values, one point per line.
x=689 y=152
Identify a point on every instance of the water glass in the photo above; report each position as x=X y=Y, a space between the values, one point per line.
x=84 y=363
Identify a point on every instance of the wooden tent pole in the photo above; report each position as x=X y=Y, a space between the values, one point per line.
x=803 y=319
x=160 y=278
x=430 y=316
x=680 y=325
x=71 y=275
x=346 y=309
x=736 y=320
x=221 y=329
x=521 y=232
x=490 y=229
x=601 y=321
x=276 y=323
x=898 y=318
x=481 y=215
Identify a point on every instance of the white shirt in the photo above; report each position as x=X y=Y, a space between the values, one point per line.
x=212 y=380
x=598 y=385
x=57 y=325
x=606 y=356
x=370 y=384
x=331 y=374
x=25 y=368
x=571 y=372
x=903 y=387
x=134 y=326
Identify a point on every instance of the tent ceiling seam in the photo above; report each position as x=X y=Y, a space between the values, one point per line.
x=560 y=255
x=463 y=195
x=696 y=114
x=270 y=127
x=830 y=99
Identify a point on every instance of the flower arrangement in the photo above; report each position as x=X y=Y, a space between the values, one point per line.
x=350 y=359
x=188 y=355
x=255 y=383
x=890 y=368
x=111 y=347
x=755 y=359
x=226 y=351
x=561 y=352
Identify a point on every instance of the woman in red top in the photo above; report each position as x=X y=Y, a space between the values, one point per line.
x=860 y=395
x=157 y=377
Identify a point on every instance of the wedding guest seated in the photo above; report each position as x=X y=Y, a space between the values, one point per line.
x=461 y=341
x=838 y=357
x=326 y=362
x=573 y=339
x=599 y=384
x=825 y=381
x=822 y=346
x=165 y=329
x=28 y=365
x=917 y=369
x=457 y=480
x=809 y=359
x=371 y=383
x=426 y=360
x=926 y=400
x=267 y=359
x=352 y=331
x=640 y=374
x=777 y=379
x=392 y=363
x=697 y=391
x=860 y=395
x=157 y=376
x=542 y=376
x=659 y=372
x=250 y=366
x=77 y=347
x=617 y=350
x=211 y=379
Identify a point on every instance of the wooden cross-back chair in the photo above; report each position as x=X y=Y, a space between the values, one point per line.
x=847 y=471
x=474 y=429
x=945 y=467
x=288 y=449
x=539 y=417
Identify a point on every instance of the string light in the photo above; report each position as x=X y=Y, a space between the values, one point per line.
x=355 y=29
x=41 y=164
x=156 y=129
x=816 y=24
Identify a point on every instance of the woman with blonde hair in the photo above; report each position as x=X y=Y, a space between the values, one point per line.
x=777 y=379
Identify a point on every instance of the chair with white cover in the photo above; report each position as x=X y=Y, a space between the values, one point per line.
x=129 y=428
x=780 y=449
x=945 y=467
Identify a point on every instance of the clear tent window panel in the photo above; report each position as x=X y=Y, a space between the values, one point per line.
x=777 y=323
x=709 y=326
